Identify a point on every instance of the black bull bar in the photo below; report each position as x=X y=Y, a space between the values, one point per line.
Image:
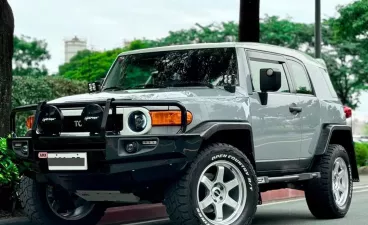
x=107 y=105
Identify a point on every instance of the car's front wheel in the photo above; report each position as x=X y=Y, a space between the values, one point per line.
x=46 y=204
x=220 y=188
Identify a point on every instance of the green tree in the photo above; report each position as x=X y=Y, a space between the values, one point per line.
x=88 y=65
x=346 y=72
x=28 y=56
x=285 y=32
x=352 y=24
x=6 y=54
x=32 y=90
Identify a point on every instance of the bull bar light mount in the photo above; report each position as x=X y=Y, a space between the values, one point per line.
x=52 y=117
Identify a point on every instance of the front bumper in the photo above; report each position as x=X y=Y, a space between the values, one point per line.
x=107 y=159
x=109 y=155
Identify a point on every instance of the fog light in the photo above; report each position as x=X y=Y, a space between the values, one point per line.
x=131 y=147
x=21 y=147
x=24 y=150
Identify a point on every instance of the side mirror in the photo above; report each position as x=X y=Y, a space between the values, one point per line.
x=270 y=80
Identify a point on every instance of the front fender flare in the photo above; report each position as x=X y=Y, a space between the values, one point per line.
x=208 y=130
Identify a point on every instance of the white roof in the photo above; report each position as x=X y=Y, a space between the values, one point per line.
x=248 y=45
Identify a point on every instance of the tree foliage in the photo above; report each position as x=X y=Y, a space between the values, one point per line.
x=352 y=24
x=28 y=56
x=89 y=66
x=32 y=90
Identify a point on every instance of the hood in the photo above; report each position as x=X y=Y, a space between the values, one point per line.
x=145 y=94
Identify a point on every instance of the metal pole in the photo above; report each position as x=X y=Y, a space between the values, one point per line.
x=317 y=31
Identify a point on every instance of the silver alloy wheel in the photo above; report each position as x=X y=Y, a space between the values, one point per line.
x=340 y=182
x=81 y=210
x=221 y=193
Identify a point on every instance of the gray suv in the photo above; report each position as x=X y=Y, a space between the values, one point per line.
x=202 y=128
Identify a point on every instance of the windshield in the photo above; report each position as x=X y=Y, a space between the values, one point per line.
x=192 y=67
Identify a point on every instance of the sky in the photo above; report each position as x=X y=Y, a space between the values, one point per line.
x=105 y=24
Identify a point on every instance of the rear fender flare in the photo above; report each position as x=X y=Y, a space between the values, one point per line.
x=330 y=134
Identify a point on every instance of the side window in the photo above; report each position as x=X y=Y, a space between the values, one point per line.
x=327 y=78
x=256 y=66
x=303 y=85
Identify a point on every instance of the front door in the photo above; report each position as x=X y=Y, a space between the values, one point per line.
x=277 y=124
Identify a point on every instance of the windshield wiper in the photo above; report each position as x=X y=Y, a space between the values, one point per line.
x=114 y=88
x=195 y=83
x=146 y=86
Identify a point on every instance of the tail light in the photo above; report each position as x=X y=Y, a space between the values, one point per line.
x=348 y=112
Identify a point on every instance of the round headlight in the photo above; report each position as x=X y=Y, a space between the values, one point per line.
x=137 y=121
x=50 y=120
x=92 y=117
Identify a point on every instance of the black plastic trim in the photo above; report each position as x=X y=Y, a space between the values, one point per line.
x=289 y=178
x=325 y=138
x=221 y=126
x=208 y=129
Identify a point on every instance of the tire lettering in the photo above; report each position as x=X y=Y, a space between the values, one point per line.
x=242 y=166
x=351 y=183
x=219 y=156
x=201 y=216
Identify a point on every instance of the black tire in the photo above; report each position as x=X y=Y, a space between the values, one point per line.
x=319 y=194
x=32 y=196
x=181 y=198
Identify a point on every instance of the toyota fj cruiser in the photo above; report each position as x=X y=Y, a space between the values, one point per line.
x=202 y=128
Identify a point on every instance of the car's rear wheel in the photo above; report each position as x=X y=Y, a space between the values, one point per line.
x=46 y=204
x=220 y=188
x=330 y=196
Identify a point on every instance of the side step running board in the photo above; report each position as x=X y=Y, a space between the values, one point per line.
x=289 y=178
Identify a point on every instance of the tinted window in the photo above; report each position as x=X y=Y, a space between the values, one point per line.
x=256 y=66
x=192 y=67
x=301 y=78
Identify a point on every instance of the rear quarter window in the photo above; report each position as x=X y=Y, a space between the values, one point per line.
x=328 y=82
x=321 y=82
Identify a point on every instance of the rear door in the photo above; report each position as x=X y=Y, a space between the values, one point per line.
x=276 y=127
x=310 y=105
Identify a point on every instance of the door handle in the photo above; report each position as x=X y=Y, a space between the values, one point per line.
x=295 y=109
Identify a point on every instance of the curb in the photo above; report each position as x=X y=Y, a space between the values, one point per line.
x=281 y=194
x=136 y=213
